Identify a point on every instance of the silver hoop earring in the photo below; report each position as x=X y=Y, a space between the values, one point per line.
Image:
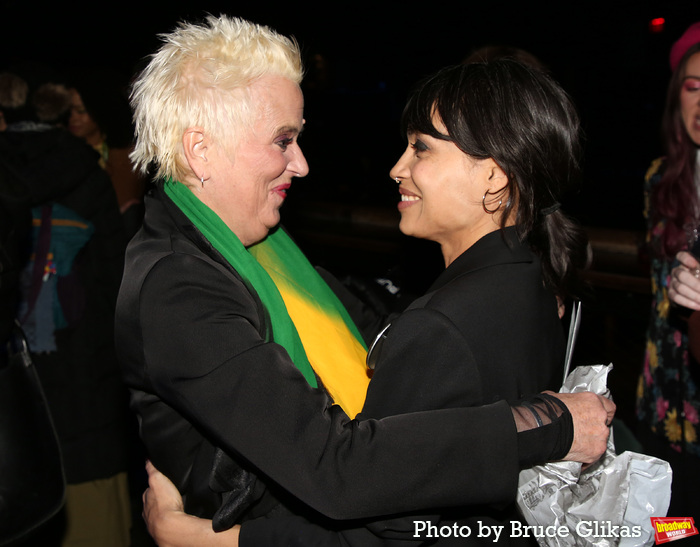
x=483 y=204
x=202 y=181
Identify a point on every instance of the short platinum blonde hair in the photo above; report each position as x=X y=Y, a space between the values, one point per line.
x=200 y=77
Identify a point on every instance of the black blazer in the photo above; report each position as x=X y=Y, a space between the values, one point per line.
x=192 y=343
x=486 y=330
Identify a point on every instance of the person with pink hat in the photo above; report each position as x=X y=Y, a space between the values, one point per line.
x=668 y=396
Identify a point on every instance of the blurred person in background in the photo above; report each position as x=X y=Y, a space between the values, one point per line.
x=101 y=116
x=668 y=402
x=69 y=241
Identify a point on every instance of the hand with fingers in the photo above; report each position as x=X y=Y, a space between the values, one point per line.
x=167 y=522
x=684 y=285
x=592 y=415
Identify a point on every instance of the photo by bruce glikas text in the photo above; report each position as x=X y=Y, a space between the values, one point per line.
x=425 y=529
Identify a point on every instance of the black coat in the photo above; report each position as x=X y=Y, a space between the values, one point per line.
x=192 y=345
x=81 y=380
x=27 y=160
x=486 y=330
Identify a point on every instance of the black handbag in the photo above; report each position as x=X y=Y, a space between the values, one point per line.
x=32 y=483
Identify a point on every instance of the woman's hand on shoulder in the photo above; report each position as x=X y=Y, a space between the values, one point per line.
x=167 y=522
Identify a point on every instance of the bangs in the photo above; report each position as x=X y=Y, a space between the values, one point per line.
x=421 y=107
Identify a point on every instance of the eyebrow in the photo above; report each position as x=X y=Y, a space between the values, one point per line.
x=289 y=129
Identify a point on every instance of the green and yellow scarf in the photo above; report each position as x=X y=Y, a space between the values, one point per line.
x=307 y=318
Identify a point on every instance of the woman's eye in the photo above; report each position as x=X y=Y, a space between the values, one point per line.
x=285 y=142
x=419 y=146
x=692 y=85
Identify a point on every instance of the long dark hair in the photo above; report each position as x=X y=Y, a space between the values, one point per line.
x=675 y=198
x=527 y=124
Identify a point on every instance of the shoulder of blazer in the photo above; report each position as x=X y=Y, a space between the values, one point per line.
x=177 y=234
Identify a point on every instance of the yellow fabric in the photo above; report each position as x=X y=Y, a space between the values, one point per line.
x=336 y=356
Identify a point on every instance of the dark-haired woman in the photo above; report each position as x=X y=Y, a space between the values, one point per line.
x=668 y=402
x=491 y=149
x=100 y=115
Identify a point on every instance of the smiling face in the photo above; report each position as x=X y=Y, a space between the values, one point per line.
x=441 y=193
x=246 y=184
x=690 y=98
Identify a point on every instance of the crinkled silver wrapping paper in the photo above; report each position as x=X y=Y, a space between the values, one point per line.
x=619 y=490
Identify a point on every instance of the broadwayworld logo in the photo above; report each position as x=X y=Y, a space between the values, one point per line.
x=670 y=529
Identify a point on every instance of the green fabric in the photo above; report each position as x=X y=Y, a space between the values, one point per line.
x=227 y=243
x=280 y=250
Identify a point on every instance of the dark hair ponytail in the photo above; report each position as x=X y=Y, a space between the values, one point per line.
x=564 y=251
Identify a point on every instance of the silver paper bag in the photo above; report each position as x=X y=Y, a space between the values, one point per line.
x=607 y=504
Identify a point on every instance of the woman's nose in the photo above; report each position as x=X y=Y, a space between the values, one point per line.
x=299 y=164
x=400 y=169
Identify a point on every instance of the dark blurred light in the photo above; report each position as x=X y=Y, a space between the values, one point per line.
x=657 y=25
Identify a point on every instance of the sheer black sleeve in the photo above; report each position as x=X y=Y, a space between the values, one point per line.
x=545 y=429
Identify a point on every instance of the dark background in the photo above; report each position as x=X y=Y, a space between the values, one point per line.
x=603 y=53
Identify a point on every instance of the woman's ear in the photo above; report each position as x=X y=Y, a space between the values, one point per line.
x=196 y=145
x=495 y=184
x=497 y=178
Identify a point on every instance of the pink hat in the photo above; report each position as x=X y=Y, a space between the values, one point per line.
x=690 y=38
